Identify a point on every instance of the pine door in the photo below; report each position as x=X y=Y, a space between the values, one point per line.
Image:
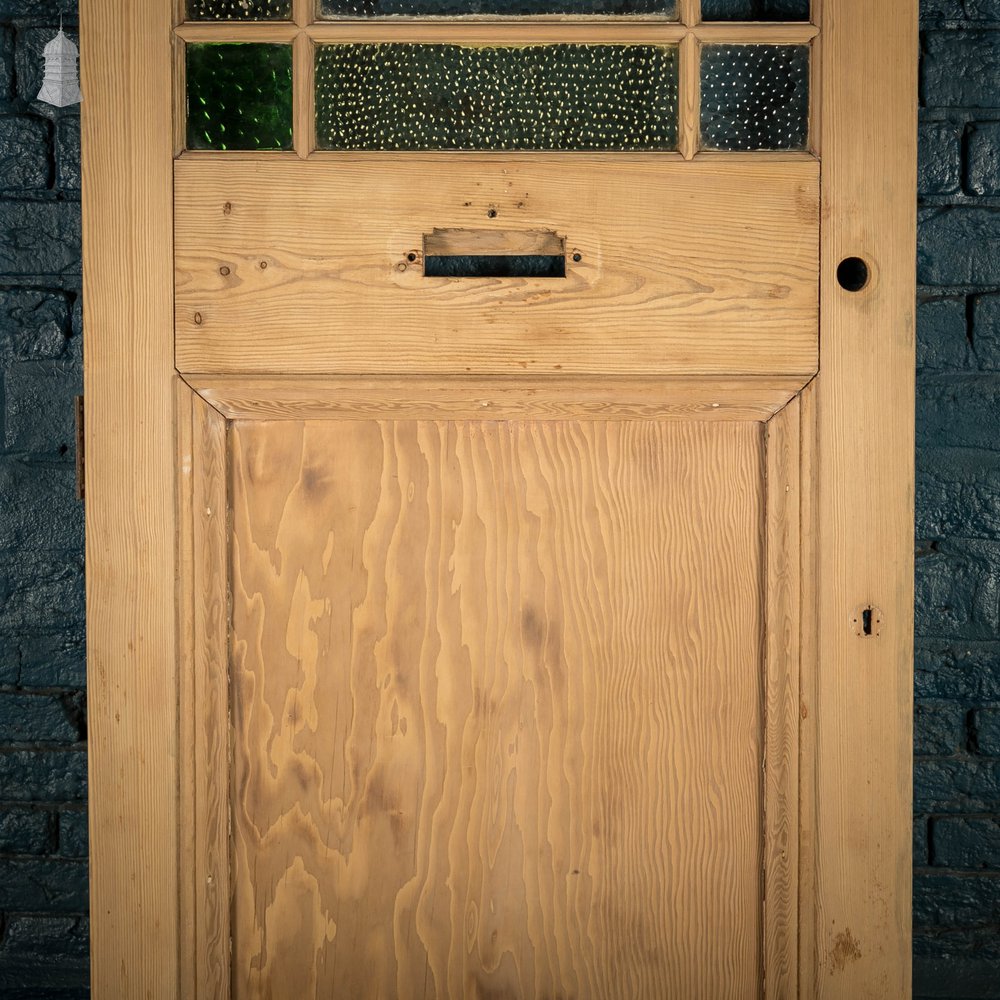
x=499 y=489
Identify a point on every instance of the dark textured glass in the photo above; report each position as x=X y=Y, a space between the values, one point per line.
x=239 y=96
x=755 y=10
x=503 y=8
x=239 y=10
x=754 y=96
x=402 y=96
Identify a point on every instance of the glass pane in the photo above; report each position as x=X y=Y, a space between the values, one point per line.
x=754 y=96
x=399 y=96
x=239 y=10
x=506 y=8
x=239 y=96
x=755 y=10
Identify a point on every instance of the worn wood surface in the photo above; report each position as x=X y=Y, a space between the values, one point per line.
x=684 y=398
x=864 y=500
x=497 y=709
x=277 y=272
x=129 y=403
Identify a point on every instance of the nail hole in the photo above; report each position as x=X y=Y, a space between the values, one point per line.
x=852 y=274
x=492 y=213
x=224 y=271
x=577 y=257
x=263 y=265
x=227 y=208
x=411 y=256
x=198 y=318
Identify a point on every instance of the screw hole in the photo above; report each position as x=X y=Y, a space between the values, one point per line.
x=853 y=274
x=224 y=271
x=492 y=213
x=411 y=256
x=577 y=257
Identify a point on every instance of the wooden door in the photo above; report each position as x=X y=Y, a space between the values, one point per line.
x=499 y=421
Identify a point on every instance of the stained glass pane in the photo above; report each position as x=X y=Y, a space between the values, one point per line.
x=754 y=96
x=755 y=10
x=400 y=96
x=239 y=96
x=239 y=10
x=505 y=8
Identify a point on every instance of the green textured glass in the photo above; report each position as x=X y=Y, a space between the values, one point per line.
x=754 y=97
x=239 y=10
x=407 y=96
x=755 y=10
x=239 y=96
x=506 y=8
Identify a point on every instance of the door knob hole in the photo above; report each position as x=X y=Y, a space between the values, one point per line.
x=853 y=274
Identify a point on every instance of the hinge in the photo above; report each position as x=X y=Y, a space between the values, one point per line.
x=80 y=466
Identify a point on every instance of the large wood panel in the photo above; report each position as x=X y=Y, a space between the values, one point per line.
x=301 y=266
x=497 y=708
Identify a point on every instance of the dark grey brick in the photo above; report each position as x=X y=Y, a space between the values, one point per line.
x=43 y=886
x=986 y=722
x=946 y=669
x=958 y=246
x=939 y=728
x=33 y=324
x=958 y=493
x=35 y=718
x=39 y=237
x=51 y=9
x=40 y=509
x=961 y=842
x=960 y=69
x=942 y=337
x=40 y=408
x=986 y=331
x=29 y=57
x=921 y=840
x=967 y=784
x=937 y=10
x=24 y=153
x=940 y=162
x=68 y=151
x=958 y=410
x=955 y=900
x=57 y=660
x=37 y=937
x=43 y=775
x=958 y=590
x=73 y=834
x=25 y=831
x=6 y=60
x=40 y=591
x=983 y=172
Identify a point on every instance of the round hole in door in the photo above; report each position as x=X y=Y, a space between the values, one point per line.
x=853 y=274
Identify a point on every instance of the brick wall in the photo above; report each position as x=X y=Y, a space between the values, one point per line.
x=957 y=709
x=43 y=931
x=43 y=839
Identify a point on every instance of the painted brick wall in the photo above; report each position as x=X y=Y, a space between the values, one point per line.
x=43 y=838
x=43 y=930
x=956 y=839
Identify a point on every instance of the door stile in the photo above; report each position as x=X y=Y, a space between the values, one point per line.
x=864 y=498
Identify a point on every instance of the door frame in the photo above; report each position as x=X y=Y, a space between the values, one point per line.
x=855 y=752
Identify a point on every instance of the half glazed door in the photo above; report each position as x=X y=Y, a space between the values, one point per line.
x=499 y=497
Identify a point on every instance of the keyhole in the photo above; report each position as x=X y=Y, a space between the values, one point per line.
x=866 y=621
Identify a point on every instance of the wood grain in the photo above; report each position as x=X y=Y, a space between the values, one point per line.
x=304 y=396
x=781 y=726
x=667 y=283
x=129 y=385
x=497 y=709
x=864 y=498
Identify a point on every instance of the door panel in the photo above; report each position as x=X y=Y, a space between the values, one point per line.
x=497 y=708
x=704 y=267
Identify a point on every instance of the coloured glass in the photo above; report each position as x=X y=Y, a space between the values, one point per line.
x=754 y=97
x=403 y=96
x=239 y=10
x=755 y=10
x=239 y=96
x=494 y=8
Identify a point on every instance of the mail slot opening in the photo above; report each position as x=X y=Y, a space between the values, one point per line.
x=493 y=253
